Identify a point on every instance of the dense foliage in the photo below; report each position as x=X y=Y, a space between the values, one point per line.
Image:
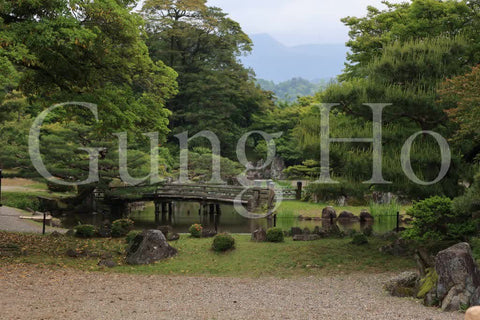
x=436 y=220
x=175 y=67
x=216 y=92
x=275 y=235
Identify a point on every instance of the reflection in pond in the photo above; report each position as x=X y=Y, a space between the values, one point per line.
x=187 y=213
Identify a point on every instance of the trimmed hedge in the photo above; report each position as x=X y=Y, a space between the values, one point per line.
x=223 y=242
x=275 y=235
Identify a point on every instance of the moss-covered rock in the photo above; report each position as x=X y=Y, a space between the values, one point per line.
x=404 y=285
x=428 y=283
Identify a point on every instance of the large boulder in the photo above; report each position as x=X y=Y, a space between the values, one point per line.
x=148 y=247
x=458 y=277
x=328 y=213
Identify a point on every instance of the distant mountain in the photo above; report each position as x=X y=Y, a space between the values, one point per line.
x=271 y=60
x=290 y=90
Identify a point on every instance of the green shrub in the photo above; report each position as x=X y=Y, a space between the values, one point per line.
x=223 y=242
x=131 y=235
x=195 y=230
x=121 y=227
x=434 y=220
x=275 y=235
x=85 y=231
x=359 y=239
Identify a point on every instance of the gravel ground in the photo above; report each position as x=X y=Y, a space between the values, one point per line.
x=10 y=221
x=29 y=292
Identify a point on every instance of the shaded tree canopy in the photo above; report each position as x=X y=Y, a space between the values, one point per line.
x=203 y=45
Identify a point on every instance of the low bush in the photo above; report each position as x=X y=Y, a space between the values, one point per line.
x=121 y=227
x=85 y=231
x=275 y=235
x=21 y=201
x=131 y=235
x=359 y=239
x=223 y=242
x=195 y=230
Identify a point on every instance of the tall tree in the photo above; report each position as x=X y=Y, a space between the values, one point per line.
x=203 y=45
x=406 y=75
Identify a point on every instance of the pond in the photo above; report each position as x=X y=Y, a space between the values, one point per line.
x=187 y=213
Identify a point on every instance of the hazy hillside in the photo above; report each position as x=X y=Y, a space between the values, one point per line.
x=274 y=61
x=291 y=89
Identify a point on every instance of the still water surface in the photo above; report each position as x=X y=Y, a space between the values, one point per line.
x=186 y=213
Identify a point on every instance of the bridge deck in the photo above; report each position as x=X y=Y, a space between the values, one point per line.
x=252 y=197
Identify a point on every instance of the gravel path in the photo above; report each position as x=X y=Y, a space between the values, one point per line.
x=10 y=221
x=29 y=292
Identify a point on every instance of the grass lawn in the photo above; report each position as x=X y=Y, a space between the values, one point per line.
x=249 y=259
x=294 y=209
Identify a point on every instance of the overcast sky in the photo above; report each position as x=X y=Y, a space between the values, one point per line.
x=295 y=22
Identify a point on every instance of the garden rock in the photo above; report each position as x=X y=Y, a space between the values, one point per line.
x=173 y=236
x=56 y=223
x=107 y=263
x=208 y=233
x=306 y=237
x=458 y=277
x=328 y=213
x=259 y=235
x=295 y=230
x=365 y=216
x=403 y=285
x=347 y=216
x=148 y=247
x=73 y=253
x=56 y=234
x=399 y=247
x=165 y=230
